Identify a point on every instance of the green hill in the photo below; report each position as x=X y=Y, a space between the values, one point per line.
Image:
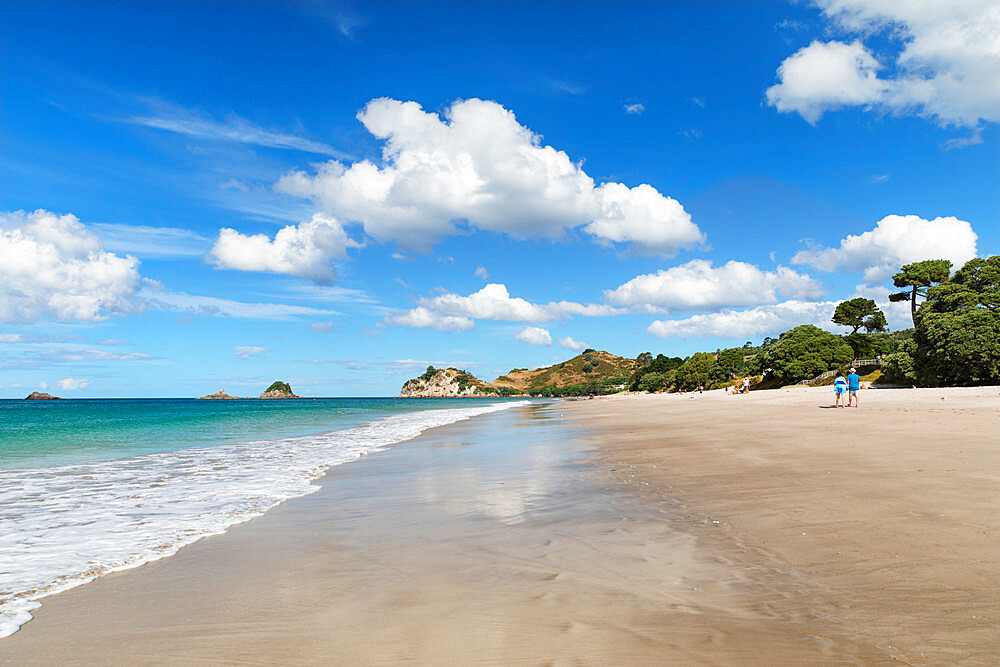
x=593 y=371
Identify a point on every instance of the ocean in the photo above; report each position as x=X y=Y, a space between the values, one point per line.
x=89 y=487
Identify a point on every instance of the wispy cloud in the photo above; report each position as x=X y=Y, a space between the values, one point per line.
x=568 y=87
x=341 y=18
x=47 y=358
x=962 y=142
x=881 y=178
x=330 y=293
x=173 y=118
x=349 y=364
x=94 y=355
x=247 y=351
x=207 y=306
x=70 y=384
x=635 y=109
x=144 y=241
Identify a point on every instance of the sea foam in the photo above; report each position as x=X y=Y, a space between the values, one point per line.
x=64 y=526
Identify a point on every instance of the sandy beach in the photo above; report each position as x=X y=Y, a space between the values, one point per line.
x=685 y=529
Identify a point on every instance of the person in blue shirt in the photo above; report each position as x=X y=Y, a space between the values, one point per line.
x=839 y=389
x=853 y=386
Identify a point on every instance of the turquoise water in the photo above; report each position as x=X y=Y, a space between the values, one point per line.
x=93 y=486
x=46 y=433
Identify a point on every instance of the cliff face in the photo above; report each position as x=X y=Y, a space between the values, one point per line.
x=277 y=393
x=442 y=383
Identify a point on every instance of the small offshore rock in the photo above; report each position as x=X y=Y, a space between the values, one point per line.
x=42 y=396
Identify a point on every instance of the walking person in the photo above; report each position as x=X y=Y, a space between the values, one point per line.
x=853 y=387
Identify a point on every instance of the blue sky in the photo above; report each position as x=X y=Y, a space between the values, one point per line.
x=215 y=195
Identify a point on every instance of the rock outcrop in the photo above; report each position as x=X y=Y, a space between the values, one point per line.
x=41 y=396
x=443 y=383
x=279 y=390
x=219 y=395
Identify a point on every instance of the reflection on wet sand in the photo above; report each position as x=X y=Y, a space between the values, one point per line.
x=494 y=539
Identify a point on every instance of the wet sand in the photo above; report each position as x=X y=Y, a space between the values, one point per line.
x=702 y=529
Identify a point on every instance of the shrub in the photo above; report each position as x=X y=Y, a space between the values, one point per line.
x=897 y=368
x=653 y=382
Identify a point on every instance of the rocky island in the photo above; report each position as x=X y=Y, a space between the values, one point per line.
x=217 y=396
x=41 y=396
x=276 y=390
x=279 y=390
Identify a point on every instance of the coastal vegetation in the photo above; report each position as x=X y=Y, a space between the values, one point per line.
x=955 y=341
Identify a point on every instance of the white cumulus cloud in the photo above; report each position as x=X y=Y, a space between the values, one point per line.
x=896 y=240
x=943 y=62
x=570 y=344
x=53 y=268
x=71 y=384
x=305 y=250
x=454 y=312
x=826 y=75
x=534 y=336
x=769 y=320
x=697 y=285
x=425 y=318
x=479 y=166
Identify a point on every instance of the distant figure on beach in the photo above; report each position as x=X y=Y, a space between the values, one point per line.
x=840 y=388
x=853 y=386
x=746 y=385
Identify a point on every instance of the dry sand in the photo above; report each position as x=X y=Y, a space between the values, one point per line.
x=698 y=529
x=881 y=520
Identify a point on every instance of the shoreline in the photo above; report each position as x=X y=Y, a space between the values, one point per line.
x=79 y=529
x=461 y=544
x=698 y=528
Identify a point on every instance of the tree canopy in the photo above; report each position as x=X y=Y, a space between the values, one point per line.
x=917 y=277
x=693 y=373
x=958 y=328
x=802 y=353
x=858 y=313
x=728 y=364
